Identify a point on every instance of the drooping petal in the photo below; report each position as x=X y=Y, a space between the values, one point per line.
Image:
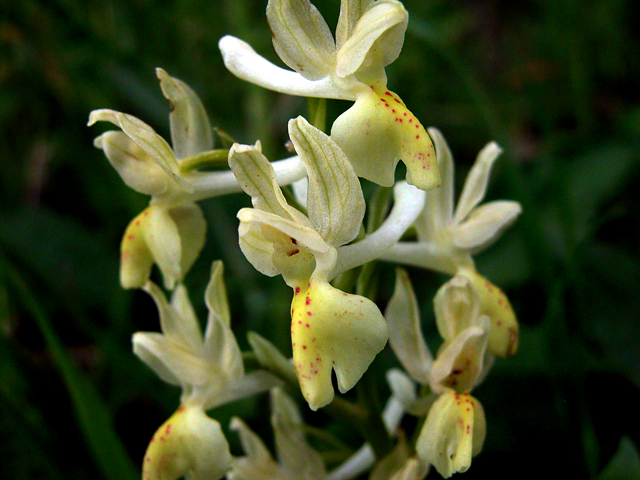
x=258 y=180
x=257 y=249
x=192 y=230
x=405 y=334
x=189 y=444
x=335 y=203
x=485 y=224
x=350 y=13
x=301 y=37
x=460 y=361
x=215 y=295
x=377 y=132
x=137 y=169
x=147 y=139
x=377 y=37
x=246 y=64
x=448 y=436
x=189 y=324
x=294 y=453
x=475 y=185
x=503 y=337
x=331 y=329
x=136 y=260
x=191 y=131
x=163 y=239
x=457 y=307
x=164 y=355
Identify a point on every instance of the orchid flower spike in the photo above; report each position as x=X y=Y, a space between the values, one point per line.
x=330 y=329
x=171 y=231
x=447 y=238
x=379 y=130
x=210 y=372
x=455 y=426
x=296 y=459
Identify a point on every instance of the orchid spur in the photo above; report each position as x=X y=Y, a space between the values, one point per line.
x=447 y=239
x=171 y=231
x=210 y=372
x=378 y=130
x=330 y=329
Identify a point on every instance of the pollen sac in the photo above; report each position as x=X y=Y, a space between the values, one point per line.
x=377 y=132
x=331 y=329
x=453 y=432
x=503 y=336
x=188 y=444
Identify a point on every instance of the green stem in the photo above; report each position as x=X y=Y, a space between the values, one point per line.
x=373 y=429
x=211 y=158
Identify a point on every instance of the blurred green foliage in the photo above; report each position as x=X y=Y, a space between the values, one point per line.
x=555 y=82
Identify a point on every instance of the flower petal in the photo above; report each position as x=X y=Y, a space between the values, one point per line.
x=447 y=437
x=252 y=445
x=137 y=169
x=258 y=179
x=246 y=64
x=377 y=132
x=215 y=295
x=163 y=239
x=503 y=337
x=460 y=361
x=485 y=224
x=136 y=260
x=163 y=355
x=189 y=444
x=457 y=307
x=441 y=200
x=189 y=324
x=350 y=13
x=301 y=37
x=475 y=185
x=256 y=248
x=332 y=329
x=335 y=203
x=270 y=358
x=222 y=348
x=294 y=245
x=405 y=334
x=179 y=329
x=294 y=453
x=300 y=189
x=147 y=139
x=242 y=387
x=190 y=128
x=413 y=469
x=378 y=37
x=192 y=230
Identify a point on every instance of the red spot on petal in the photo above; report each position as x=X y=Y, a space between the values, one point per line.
x=388 y=93
x=393 y=111
x=417 y=126
x=307 y=325
x=304 y=347
x=405 y=114
x=297 y=289
x=309 y=313
x=130 y=237
x=417 y=137
x=137 y=222
x=307 y=301
x=299 y=322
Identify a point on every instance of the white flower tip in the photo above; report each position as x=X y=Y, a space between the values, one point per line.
x=230 y=46
x=490 y=153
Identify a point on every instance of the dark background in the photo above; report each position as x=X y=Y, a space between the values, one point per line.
x=555 y=82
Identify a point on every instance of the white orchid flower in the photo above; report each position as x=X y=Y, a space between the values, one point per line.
x=379 y=130
x=210 y=372
x=296 y=459
x=455 y=426
x=171 y=231
x=447 y=238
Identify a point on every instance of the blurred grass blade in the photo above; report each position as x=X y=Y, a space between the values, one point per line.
x=93 y=416
x=624 y=465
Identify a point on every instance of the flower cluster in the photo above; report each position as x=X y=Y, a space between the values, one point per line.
x=316 y=241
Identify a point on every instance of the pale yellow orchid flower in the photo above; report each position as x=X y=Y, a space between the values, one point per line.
x=171 y=231
x=210 y=372
x=447 y=238
x=379 y=130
